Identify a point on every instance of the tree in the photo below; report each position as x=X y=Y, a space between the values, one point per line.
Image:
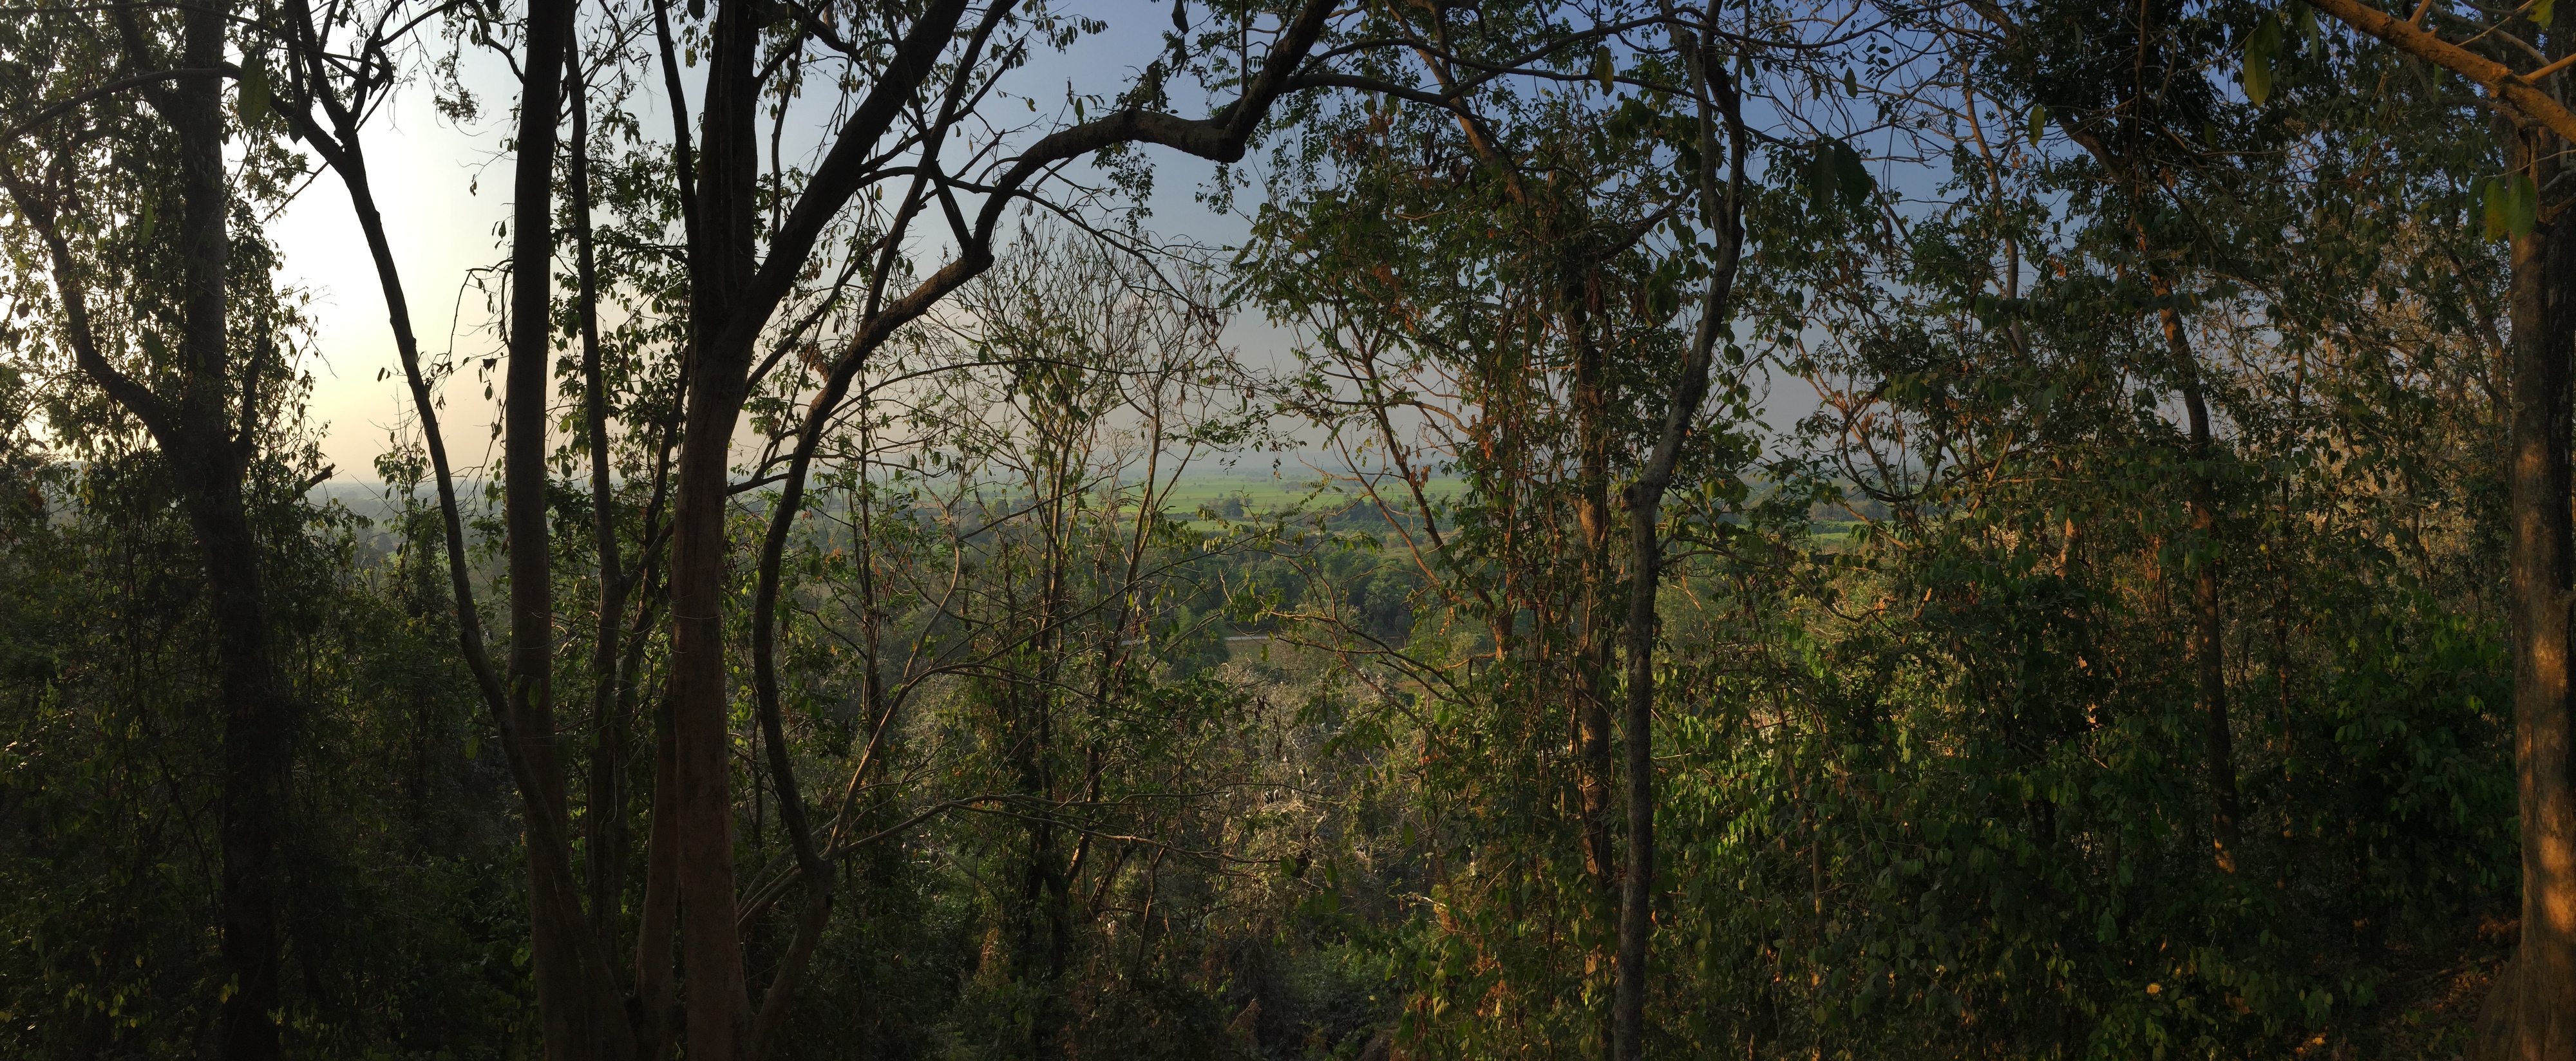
x=207 y=352
x=2533 y=1012
x=1582 y=215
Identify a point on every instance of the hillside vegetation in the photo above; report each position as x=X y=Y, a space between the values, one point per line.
x=1835 y=530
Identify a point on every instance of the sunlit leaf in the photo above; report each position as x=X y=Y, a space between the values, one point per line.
x=2521 y=206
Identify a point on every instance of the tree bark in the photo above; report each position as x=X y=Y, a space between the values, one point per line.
x=1723 y=212
x=720 y=267
x=2542 y=1015
x=579 y=1014
x=1595 y=629
x=209 y=461
x=604 y=816
x=2208 y=621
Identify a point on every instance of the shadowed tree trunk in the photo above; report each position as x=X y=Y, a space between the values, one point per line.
x=1722 y=209
x=576 y=991
x=209 y=459
x=604 y=819
x=2209 y=624
x=1595 y=626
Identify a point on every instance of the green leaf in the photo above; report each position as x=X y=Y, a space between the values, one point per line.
x=1821 y=176
x=2306 y=23
x=2261 y=48
x=2521 y=206
x=1836 y=177
x=143 y=220
x=251 y=97
x=2540 y=10
x=2038 y=123
x=2510 y=206
x=1851 y=177
x=1851 y=85
x=698 y=9
x=1603 y=70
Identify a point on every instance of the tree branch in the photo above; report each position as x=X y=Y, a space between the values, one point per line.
x=2528 y=100
x=59 y=108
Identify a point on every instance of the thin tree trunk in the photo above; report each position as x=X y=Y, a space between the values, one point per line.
x=721 y=268
x=341 y=149
x=569 y=953
x=1594 y=625
x=1724 y=212
x=604 y=819
x=2208 y=622
x=656 y=985
x=1595 y=630
x=576 y=1020
x=655 y=988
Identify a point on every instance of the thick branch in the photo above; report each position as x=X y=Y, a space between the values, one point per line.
x=2528 y=100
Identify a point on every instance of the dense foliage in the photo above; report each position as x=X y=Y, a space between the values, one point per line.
x=2078 y=559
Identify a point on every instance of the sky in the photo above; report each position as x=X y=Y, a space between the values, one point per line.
x=423 y=169
x=444 y=189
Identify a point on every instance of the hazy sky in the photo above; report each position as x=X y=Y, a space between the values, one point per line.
x=426 y=169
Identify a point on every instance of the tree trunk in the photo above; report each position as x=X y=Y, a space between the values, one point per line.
x=720 y=266
x=1595 y=629
x=2541 y=1018
x=604 y=816
x=254 y=751
x=655 y=991
x=208 y=460
x=577 y=1009
x=1723 y=211
x=2208 y=623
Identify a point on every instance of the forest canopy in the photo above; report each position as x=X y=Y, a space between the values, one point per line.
x=1783 y=529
